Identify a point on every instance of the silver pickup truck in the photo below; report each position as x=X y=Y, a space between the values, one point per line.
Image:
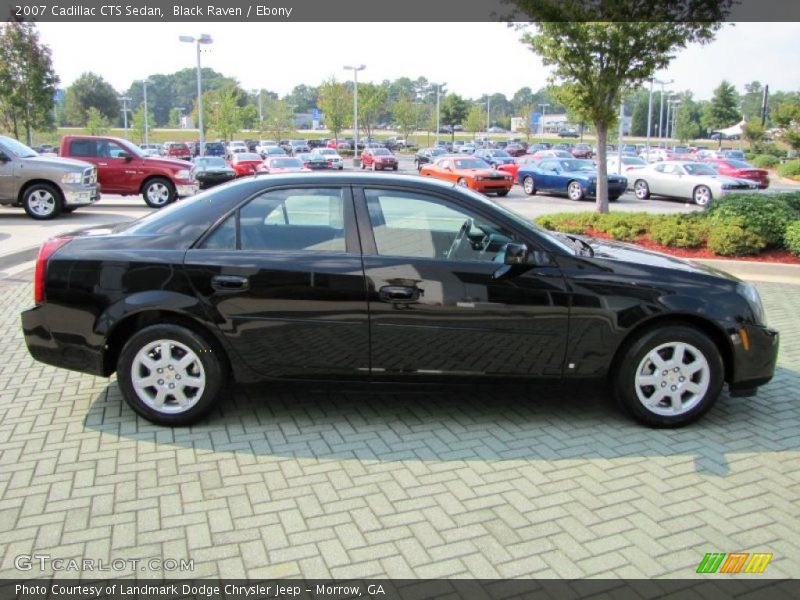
x=44 y=186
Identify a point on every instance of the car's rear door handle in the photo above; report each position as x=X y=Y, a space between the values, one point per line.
x=230 y=283
x=399 y=293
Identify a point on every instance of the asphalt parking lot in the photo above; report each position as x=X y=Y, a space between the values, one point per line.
x=321 y=481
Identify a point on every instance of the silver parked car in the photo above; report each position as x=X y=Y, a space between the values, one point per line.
x=685 y=180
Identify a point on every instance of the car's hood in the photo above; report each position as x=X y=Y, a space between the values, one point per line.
x=481 y=172
x=214 y=170
x=58 y=163
x=169 y=163
x=631 y=253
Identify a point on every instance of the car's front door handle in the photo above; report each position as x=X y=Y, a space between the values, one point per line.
x=230 y=283
x=399 y=293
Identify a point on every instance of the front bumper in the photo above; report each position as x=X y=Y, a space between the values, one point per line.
x=81 y=194
x=755 y=353
x=186 y=189
x=492 y=185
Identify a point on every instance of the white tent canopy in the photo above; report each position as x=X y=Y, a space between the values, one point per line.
x=732 y=130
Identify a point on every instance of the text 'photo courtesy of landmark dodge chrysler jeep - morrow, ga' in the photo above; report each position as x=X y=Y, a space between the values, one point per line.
x=45 y=186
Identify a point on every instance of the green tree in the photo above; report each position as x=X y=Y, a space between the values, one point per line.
x=96 y=122
x=752 y=131
x=303 y=98
x=723 y=109
x=226 y=118
x=371 y=104
x=27 y=80
x=751 y=101
x=278 y=118
x=476 y=120
x=90 y=91
x=687 y=120
x=792 y=137
x=786 y=113
x=527 y=125
x=138 y=123
x=336 y=104
x=453 y=111
x=174 y=117
x=406 y=116
x=607 y=48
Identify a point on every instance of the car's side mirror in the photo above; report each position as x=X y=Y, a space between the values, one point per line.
x=4 y=157
x=125 y=156
x=515 y=254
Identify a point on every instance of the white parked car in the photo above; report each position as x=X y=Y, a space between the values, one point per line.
x=467 y=148
x=262 y=146
x=334 y=160
x=629 y=164
x=655 y=155
x=685 y=180
x=236 y=147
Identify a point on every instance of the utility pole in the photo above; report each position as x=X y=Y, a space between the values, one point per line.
x=125 y=111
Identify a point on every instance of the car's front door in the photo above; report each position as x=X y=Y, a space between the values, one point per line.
x=437 y=302
x=283 y=279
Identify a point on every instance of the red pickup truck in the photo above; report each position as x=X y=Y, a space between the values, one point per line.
x=123 y=169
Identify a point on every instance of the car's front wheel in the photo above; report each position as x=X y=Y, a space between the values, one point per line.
x=42 y=201
x=158 y=192
x=669 y=376
x=701 y=195
x=170 y=375
x=641 y=190
x=529 y=186
x=575 y=191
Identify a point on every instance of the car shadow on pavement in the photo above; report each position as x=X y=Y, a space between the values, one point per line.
x=463 y=423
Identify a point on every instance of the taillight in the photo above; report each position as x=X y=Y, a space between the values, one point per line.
x=46 y=250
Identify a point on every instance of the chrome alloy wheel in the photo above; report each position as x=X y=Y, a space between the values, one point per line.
x=672 y=379
x=168 y=376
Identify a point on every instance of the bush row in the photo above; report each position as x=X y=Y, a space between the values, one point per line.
x=790 y=169
x=736 y=225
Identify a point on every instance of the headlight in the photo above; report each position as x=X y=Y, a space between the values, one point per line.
x=183 y=174
x=749 y=292
x=479 y=178
x=76 y=177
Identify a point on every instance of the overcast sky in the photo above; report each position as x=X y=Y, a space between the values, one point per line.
x=473 y=58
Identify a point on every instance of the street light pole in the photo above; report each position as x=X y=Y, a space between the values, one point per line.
x=260 y=113
x=125 y=110
x=649 y=122
x=675 y=106
x=438 y=91
x=488 y=112
x=146 y=124
x=544 y=111
x=661 y=109
x=203 y=38
x=355 y=69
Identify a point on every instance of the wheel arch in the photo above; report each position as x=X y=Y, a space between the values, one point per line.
x=123 y=329
x=28 y=184
x=714 y=333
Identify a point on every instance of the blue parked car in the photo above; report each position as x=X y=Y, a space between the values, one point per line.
x=574 y=178
x=495 y=158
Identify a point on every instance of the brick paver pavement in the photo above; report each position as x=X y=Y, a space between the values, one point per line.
x=358 y=482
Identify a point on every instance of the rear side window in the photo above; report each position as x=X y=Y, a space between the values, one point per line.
x=286 y=220
x=82 y=148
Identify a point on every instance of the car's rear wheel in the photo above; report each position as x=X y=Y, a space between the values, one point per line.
x=669 y=376
x=463 y=182
x=170 y=375
x=701 y=195
x=158 y=192
x=641 y=190
x=529 y=186
x=575 y=191
x=42 y=201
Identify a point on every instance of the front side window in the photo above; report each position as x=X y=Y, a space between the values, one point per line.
x=408 y=224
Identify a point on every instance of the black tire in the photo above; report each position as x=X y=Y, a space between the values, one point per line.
x=213 y=369
x=635 y=362
x=69 y=209
x=42 y=202
x=394 y=168
x=503 y=193
x=529 y=186
x=158 y=192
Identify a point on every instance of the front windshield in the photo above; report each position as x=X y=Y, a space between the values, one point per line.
x=470 y=163
x=210 y=162
x=326 y=151
x=248 y=156
x=381 y=152
x=275 y=150
x=18 y=149
x=699 y=169
x=739 y=164
x=576 y=165
x=500 y=153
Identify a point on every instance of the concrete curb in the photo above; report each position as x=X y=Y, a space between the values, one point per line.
x=20 y=256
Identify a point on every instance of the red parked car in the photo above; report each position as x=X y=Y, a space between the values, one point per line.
x=178 y=150
x=378 y=159
x=245 y=163
x=282 y=164
x=582 y=151
x=740 y=170
x=339 y=145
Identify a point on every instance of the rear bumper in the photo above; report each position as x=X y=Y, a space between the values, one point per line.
x=75 y=355
x=754 y=361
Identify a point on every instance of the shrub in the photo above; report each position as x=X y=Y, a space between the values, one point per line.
x=791 y=239
x=567 y=222
x=623 y=232
x=733 y=239
x=765 y=161
x=749 y=156
x=790 y=169
x=680 y=231
x=763 y=215
x=769 y=148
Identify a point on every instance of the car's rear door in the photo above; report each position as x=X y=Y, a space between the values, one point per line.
x=436 y=305
x=283 y=278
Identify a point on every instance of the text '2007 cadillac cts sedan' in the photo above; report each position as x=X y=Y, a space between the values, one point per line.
x=385 y=278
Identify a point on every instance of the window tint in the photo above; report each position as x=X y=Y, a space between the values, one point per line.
x=300 y=219
x=224 y=236
x=82 y=148
x=419 y=226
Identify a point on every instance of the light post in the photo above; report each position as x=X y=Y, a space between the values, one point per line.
x=203 y=38
x=488 y=112
x=661 y=109
x=621 y=132
x=146 y=124
x=125 y=110
x=543 y=106
x=670 y=104
x=438 y=94
x=355 y=69
x=260 y=113
x=675 y=104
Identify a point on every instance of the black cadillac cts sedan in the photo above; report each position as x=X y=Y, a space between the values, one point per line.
x=384 y=278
